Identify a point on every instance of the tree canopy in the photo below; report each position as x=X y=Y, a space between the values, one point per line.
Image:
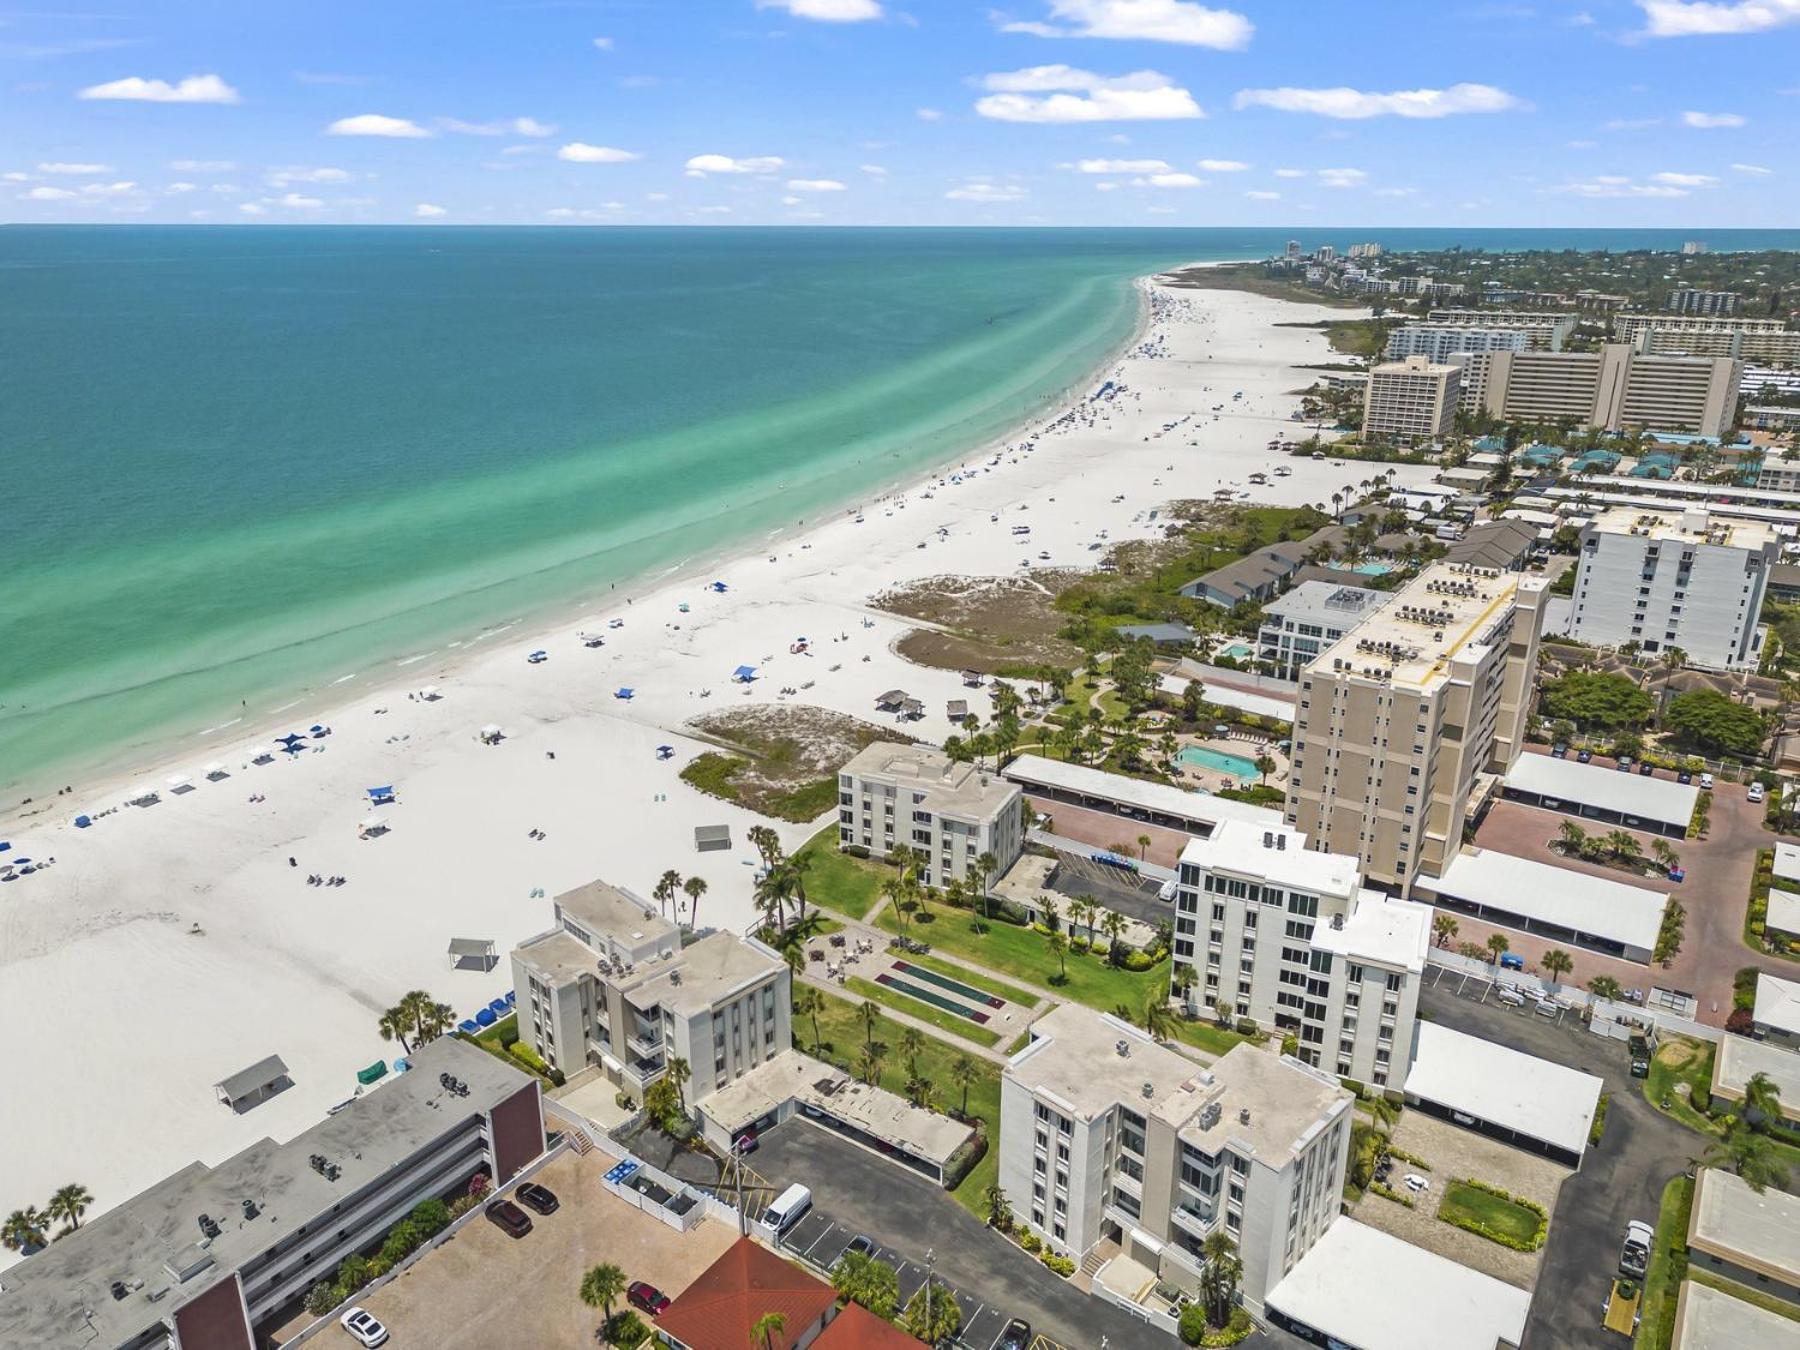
x=1596 y=699
x=1708 y=720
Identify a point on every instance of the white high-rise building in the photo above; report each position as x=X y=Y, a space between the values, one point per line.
x=1291 y=938
x=1668 y=579
x=1106 y=1135
x=1438 y=342
x=1411 y=401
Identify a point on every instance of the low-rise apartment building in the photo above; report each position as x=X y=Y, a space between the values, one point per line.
x=1615 y=387
x=614 y=985
x=1436 y=342
x=1105 y=1134
x=1747 y=1236
x=1398 y=720
x=1689 y=300
x=1549 y=331
x=219 y=1256
x=1299 y=625
x=1411 y=401
x=1290 y=938
x=1673 y=579
x=894 y=796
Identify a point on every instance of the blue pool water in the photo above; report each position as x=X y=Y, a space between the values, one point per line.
x=1368 y=569
x=1235 y=765
x=1237 y=651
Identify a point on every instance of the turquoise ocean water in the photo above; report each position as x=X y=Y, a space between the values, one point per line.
x=240 y=463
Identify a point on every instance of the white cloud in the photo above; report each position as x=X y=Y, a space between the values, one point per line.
x=253 y=209
x=374 y=124
x=604 y=44
x=1107 y=186
x=1355 y=104
x=16 y=177
x=656 y=196
x=178 y=189
x=984 y=190
x=288 y=177
x=1707 y=121
x=294 y=201
x=49 y=194
x=1755 y=170
x=1120 y=166
x=1222 y=165
x=429 y=211
x=108 y=189
x=202 y=165
x=1342 y=178
x=1168 y=180
x=585 y=213
x=793 y=201
x=1632 y=123
x=1686 y=180
x=1396 y=192
x=701 y=165
x=1701 y=18
x=506 y=126
x=873 y=170
x=74 y=170
x=1614 y=185
x=827 y=11
x=1290 y=173
x=580 y=152
x=713 y=211
x=1142 y=20
x=1065 y=94
x=193 y=89
x=1261 y=196
x=814 y=185
x=930 y=115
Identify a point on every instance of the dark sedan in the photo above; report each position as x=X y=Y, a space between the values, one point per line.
x=509 y=1218
x=646 y=1298
x=539 y=1198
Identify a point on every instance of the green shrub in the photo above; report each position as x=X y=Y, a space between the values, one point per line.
x=531 y=1059
x=856 y=850
x=1193 y=1323
x=1029 y=1241
x=1062 y=1265
x=1598 y=1128
x=1139 y=961
x=1238 y=1329
x=1389 y=1193
x=1246 y=1026
x=322 y=1298
x=431 y=1216
x=626 y=1329
x=1290 y=1044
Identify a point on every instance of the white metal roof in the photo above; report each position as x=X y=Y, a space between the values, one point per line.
x=1244 y=700
x=1506 y=1087
x=1778 y=1003
x=1555 y=895
x=1711 y=1319
x=1035 y=771
x=1373 y=1291
x=1631 y=794
x=1784 y=911
x=1787 y=861
x=1740 y=1059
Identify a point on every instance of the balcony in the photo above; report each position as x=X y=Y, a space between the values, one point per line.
x=1191 y=1220
x=646 y=1040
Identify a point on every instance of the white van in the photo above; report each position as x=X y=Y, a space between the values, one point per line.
x=1512 y=998
x=785 y=1212
x=1546 y=1007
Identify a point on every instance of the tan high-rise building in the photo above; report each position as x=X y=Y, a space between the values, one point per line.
x=1411 y=401
x=1614 y=388
x=1399 y=720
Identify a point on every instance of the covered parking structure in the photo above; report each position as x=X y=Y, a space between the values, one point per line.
x=1633 y=800
x=1567 y=906
x=1532 y=1103
x=1194 y=813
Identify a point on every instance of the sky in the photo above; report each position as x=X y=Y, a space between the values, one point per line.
x=902 y=112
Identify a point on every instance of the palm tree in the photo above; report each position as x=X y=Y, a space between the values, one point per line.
x=71 y=1202
x=24 y=1230
x=766 y=1328
x=1219 y=1281
x=1051 y=911
x=1159 y=1019
x=1624 y=845
x=1573 y=837
x=1751 y=1155
x=871 y=1018
x=1604 y=986
x=895 y=891
x=869 y=1062
x=1497 y=946
x=678 y=1074
x=999 y=1208
x=601 y=1286
x=1762 y=1105
x=1558 y=963
x=666 y=886
x=964 y=1072
x=1265 y=765
x=911 y=1043
x=394 y=1025
x=808 y=1002
x=766 y=843
x=1445 y=928
x=1059 y=947
x=1113 y=925
x=431 y=1019
x=1664 y=853
x=694 y=888
x=985 y=867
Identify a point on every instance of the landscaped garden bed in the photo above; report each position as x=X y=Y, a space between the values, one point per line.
x=1492 y=1213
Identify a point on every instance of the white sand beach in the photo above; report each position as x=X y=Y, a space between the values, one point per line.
x=170 y=945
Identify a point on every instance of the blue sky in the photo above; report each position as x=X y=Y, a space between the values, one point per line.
x=1092 y=112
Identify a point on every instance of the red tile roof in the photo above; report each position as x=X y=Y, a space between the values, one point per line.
x=856 y=1328
x=717 y=1310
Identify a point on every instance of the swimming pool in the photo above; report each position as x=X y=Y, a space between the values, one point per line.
x=1235 y=765
x=1368 y=569
x=1237 y=651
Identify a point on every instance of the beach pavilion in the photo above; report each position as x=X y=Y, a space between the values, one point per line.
x=255 y=1085
x=473 y=954
x=712 y=838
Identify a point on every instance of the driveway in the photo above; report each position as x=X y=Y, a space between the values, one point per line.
x=1620 y=1179
x=906 y=1216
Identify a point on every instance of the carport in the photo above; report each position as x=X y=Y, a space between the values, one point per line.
x=1506 y=1094
x=1602 y=915
x=1633 y=800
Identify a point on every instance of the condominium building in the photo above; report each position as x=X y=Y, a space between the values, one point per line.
x=915 y=796
x=1548 y=330
x=1291 y=938
x=219 y=1256
x=1667 y=579
x=1764 y=340
x=1437 y=342
x=1411 y=401
x=1626 y=327
x=1450 y=657
x=1690 y=301
x=1312 y=616
x=614 y=985
x=1614 y=388
x=1365 y=250
x=1106 y=1135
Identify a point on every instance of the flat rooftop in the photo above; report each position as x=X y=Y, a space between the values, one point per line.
x=1074 y=1059
x=708 y=969
x=1368 y=1289
x=1693 y=526
x=1630 y=794
x=1034 y=772
x=1394 y=933
x=1710 y=1319
x=1739 y=1059
x=1440 y=615
x=1493 y=1082
x=1278 y=706
x=1326 y=603
x=1597 y=906
x=557 y=956
x=61 y=1296
x=1271 y=1107
x=1787 y=862
x=1784 y=910
x=1734 y=1223
x=1777 y=1003
x=608 y=911
x=1276 y=852
x=956 y=789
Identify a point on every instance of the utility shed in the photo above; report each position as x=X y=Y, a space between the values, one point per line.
x=253 y=1086
x=710 y=838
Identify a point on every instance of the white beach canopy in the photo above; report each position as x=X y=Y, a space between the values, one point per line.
x=214 y=770
x=372 y=823
x=430 y=692
x=178 y=780
x=143 y=792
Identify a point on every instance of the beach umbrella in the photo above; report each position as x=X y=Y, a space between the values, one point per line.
x=380 y=794
x=744 y=674
x=624 y=691
x=82 y=822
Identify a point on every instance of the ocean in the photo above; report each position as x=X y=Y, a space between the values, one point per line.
x=244 y=465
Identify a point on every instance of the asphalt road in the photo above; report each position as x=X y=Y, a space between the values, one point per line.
x=1620 y=1179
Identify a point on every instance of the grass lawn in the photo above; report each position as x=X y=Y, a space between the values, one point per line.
x=925 y=1012
x=838 y=881
x=1205 y=1034
x=841 y=1036
x=1680 y=1061
x=1490 y=1211
x=986 y=983
x=1668 y=1264
x=503 y=1033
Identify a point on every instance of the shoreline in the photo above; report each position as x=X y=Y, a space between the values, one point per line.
x=94 y=781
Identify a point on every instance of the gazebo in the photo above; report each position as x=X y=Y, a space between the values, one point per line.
x=473 y=954
x=253 y=1086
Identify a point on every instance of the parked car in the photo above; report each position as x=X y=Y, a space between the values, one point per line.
x=509 y=1218
x=747 y=1142
x=1646 y=771
x=1624 y=764
x=1511 y=961
x=1634 y=1256
x=1757 y=793
x=1583 y=755
x=861 y=1244
x=1559 y=750
x=647 y=1298
x=364 y=1327
x=1684 y=777
x=1016 y=1336
x=1640 y=1057
x=1706 y=782
x=536 y=1197
x=1415 y=1182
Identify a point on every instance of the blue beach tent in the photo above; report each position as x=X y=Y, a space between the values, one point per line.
x=381 y=796
x=498 y=1007
x=744 y=674
x=624 y=691
x=665 y=752
x=719 y=588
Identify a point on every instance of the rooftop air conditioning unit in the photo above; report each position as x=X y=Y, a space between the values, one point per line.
x=1243 y=1115
x=1122 y=1047
x=1149 y=1089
